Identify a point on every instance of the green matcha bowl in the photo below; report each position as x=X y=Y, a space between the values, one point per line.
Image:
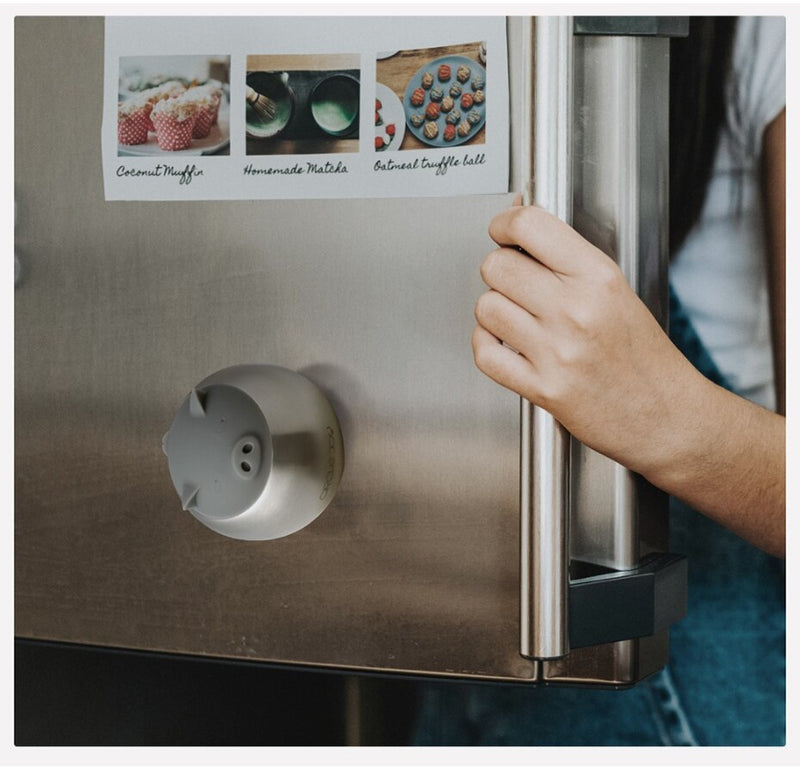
x=334 y=105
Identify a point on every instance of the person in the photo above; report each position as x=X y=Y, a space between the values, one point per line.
x=700 y=414
x=592 y=355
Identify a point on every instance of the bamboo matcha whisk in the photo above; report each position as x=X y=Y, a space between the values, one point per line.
x=264 y=107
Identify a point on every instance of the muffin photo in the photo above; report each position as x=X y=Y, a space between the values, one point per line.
x=172 y=104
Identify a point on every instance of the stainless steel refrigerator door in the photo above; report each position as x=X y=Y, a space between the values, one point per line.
x=122 y=307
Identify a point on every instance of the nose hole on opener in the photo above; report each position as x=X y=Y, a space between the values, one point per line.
x=247 y=457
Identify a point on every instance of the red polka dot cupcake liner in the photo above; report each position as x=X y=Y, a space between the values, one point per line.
x=203 y=123
x=171 y=134
x=132 y=129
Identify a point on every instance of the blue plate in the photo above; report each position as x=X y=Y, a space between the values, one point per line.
x=454 y=62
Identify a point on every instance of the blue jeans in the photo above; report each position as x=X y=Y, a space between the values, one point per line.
x=725 y=684
x=728 y=657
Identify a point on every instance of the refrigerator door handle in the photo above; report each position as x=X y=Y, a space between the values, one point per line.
x=544 y=443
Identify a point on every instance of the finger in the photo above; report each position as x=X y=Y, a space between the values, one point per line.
x=544 y=237
x=508 y=322
x=503 y=365
x=522 y=279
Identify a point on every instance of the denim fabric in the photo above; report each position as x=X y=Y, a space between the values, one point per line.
x=725 y=683
x=462 y=714
x=728 y=656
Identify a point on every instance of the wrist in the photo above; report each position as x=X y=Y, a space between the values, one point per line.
x=683 y=431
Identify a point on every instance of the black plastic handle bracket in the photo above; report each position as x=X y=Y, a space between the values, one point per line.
x=626 y=604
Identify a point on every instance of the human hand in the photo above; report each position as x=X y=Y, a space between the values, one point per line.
x=584 y=346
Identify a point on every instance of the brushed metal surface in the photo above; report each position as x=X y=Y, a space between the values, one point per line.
x=124 y=306
x=620 y=204
x=545 y=443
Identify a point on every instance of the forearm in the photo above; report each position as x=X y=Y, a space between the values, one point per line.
x=725 y=457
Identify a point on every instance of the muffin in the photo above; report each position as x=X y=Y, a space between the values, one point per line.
x=167 y=90
x=217 y=93
x=150 y=97
x=174 y=120
x=133 y=121
x=207 y=106
x=170 y=89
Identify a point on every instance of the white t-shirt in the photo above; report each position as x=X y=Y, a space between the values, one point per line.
x=720 y=273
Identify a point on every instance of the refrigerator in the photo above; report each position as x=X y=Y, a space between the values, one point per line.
x=470 y=537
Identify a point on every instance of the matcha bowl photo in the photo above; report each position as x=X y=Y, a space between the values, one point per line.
x=334 y=104
x=306 y=104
